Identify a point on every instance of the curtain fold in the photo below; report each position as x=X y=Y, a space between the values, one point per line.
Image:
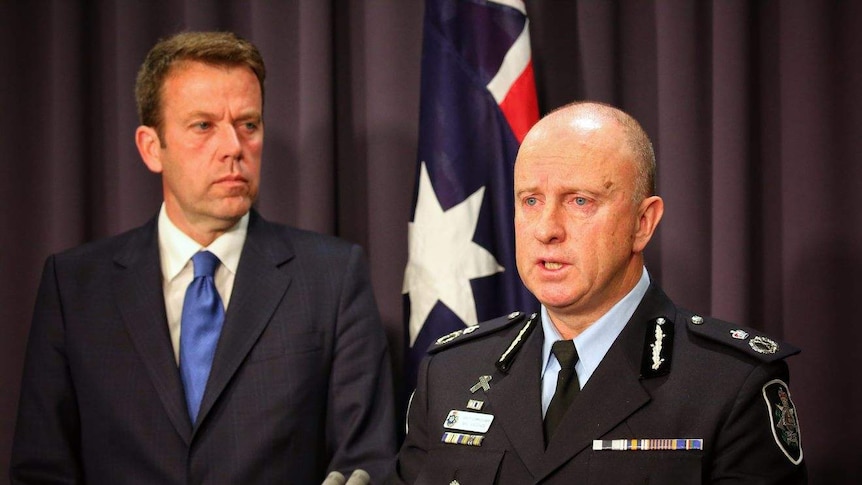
x=754 y=107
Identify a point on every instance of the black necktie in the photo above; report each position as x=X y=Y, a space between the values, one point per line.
x=567 y=385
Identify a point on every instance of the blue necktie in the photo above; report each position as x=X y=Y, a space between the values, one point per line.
x=202 y=318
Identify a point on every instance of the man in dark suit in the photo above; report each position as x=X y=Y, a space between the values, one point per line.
x=610 y=382
x=209 y=345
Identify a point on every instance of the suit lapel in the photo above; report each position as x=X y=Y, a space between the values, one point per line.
x=139 y=297
x=614 y=391
x=259 y=287
x=518 y=404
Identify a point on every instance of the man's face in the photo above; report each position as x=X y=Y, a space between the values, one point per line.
x=575 y=216
x=210 y=150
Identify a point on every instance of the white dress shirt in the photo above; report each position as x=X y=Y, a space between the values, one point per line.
x=176 y=250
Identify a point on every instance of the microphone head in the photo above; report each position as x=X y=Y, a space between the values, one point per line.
x=359 y=477
x=334 y=478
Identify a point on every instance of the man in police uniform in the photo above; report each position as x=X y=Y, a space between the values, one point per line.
x=609 y=382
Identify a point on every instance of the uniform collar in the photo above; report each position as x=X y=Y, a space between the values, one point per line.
x=593 y=343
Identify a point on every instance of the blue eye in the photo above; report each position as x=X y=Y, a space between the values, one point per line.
x=531 y=201
x=580 y=201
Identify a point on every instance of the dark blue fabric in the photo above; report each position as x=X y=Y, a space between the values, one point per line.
x=202 y=319
x=466 y=143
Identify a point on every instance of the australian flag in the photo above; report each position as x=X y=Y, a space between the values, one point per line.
x=478 y=100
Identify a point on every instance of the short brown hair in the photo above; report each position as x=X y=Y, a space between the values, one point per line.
x=215 y=48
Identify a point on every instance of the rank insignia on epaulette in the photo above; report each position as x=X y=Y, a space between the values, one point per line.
x=474 y=331
x=658 y=348
x=782 y=415
x=747 y=340
x=457 y=333
x=763 y=345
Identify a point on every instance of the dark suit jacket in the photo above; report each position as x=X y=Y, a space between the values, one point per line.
x=712 y=390
x=300 y=384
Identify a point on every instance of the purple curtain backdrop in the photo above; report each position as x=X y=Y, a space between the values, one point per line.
x=754 y=107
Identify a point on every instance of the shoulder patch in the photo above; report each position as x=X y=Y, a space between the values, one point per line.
x=747 y=340
x=472 y=332
x=783 y=420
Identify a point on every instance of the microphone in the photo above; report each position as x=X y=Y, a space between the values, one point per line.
x=359 y=477
x=334 y=478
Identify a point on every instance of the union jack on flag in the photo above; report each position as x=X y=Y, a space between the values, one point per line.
x=478 y=100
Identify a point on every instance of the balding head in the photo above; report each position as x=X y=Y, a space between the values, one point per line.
x=586 y=116
x=584 y=211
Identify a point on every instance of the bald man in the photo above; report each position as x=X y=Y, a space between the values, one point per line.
x=609 y=381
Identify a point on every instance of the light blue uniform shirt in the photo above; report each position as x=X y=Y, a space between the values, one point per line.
x=592 y=344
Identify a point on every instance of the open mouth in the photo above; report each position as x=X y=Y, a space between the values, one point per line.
x=552 y=265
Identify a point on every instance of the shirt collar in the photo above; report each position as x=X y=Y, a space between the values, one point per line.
x=176 y=248
x=593 y=343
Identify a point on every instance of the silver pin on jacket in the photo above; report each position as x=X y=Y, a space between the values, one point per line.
x=658 y=347
x=482 y=384
x=657 y=359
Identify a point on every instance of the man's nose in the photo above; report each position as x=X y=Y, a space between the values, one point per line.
x=550 y=227
x=229 y=143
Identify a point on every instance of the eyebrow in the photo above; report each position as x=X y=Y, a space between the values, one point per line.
x=251 y=114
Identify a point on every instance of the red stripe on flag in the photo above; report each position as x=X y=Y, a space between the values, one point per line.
x=520 y=106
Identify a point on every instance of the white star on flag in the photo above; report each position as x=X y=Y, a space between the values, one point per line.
x=442 y=257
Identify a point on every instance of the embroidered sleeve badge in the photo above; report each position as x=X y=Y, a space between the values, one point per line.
x=782 y=415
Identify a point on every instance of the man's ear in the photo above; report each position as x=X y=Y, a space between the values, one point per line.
x=149 y=146
x=649 y=215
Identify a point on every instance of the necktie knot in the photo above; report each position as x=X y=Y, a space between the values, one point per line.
x=205 y=263
x=566 y=353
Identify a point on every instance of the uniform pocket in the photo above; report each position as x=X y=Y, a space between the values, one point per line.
x=653 y=467
x=468 y=465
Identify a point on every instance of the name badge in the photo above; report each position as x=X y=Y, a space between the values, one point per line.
x=468 y=421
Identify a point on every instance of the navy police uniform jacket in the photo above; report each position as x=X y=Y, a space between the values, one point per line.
x=678 y=399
